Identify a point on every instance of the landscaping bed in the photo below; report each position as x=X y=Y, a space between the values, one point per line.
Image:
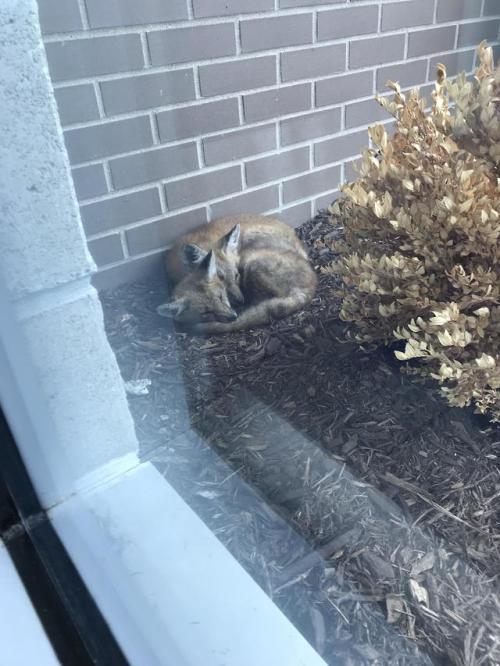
x=395 y=494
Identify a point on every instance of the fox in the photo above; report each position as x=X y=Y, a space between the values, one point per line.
x=246 y=259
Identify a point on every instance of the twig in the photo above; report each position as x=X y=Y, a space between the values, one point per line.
x=409 y=487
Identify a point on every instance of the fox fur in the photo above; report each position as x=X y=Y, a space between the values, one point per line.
x=255 y=258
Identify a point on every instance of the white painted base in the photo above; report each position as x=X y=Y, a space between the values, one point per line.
x=170 y=591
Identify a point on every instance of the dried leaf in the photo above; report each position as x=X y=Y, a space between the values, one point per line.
x=423 y=564
x=418 y=592
x=396 y=606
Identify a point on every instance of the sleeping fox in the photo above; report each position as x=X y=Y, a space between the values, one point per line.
x=246 y=258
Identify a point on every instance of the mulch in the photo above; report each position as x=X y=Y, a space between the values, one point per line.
x=362 y=504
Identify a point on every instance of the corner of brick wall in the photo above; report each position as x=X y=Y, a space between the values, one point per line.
x=175 y=113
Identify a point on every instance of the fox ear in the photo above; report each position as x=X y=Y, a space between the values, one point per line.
x=193 y=254
x=209 y=265
x=231 y=241
x=172 y=309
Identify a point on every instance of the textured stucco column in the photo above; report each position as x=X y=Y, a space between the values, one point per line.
x=45 y=271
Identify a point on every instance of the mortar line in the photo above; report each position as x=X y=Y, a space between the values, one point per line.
x=107 y=175
x=200 y=153
x=153 y=121
x=197 y=85
x=124 y=244
x=190 y=21
x=99 y=100
x=241 y=114
x=93 y=33
x=83 y=14
x=163 y=199
x=145 y=50
x=237 y=37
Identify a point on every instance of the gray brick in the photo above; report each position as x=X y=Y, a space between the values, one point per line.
x=207 y=8
x=121 y=210
x=339 y=23
x=221 y=78
x=160 y=234
x=274 y=167
x=153 y=165
x=260 y=201
x=456 y=10
x=340 y=147
x=306 y=3
x=89 y=181
x=390 y=126
x=95 y=56
x=375 y=51
x=460 y=61
x=152 y=265
x=471 y=34
x=407 y=14
x=426 y=92
x=408 y=74
x=310 y=126
x=147 y=91
x=350 y=172
x=325 y=200
x=294 y=216
x=77 y=104
x=310 y=184
x=106 y=250
x=168 y=47
x=492 y=8
x=364 y=113
x=272 y=33
x=203 y=187
x=340 y=89
x=309 y=63
x=120 y=136
x=115 y=13
x=57 y=16
x=188 y=121
x=423 y=42
x=277 y=102
x=234 y=145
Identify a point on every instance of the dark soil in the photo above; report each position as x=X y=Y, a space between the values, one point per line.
x=361 y=503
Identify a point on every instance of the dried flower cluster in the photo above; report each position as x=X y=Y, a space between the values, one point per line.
x=420 y=260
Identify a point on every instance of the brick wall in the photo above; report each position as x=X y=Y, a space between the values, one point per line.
x=177 y=112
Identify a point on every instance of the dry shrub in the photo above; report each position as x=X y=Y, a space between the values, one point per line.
x=420 y=260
